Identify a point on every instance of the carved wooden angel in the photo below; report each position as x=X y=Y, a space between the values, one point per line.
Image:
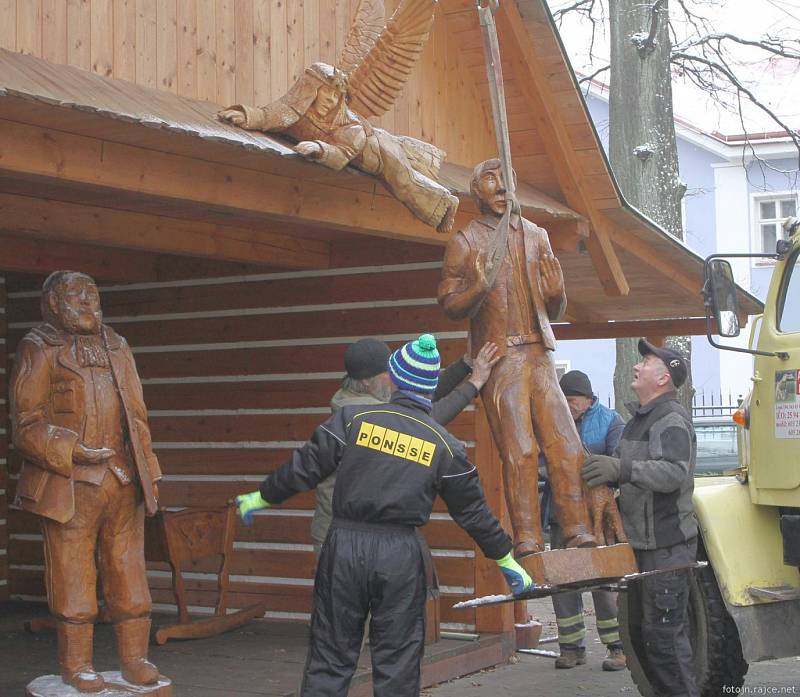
x=327 y=109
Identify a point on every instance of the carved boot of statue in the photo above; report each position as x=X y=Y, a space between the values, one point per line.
x=75 y=656
x=133 y=637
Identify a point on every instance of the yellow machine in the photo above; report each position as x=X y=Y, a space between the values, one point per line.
x=745 y=605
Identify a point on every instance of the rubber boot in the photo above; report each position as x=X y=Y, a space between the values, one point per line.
x=133 y=636
x=571 y=657
x=75 y=656
x=615 y=660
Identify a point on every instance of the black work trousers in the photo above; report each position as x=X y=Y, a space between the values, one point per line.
x=665 y=619
x=367 y=568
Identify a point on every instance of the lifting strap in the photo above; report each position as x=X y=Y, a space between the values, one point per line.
x=494 y=70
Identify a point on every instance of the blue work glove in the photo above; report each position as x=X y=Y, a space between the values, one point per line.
x=248 y=503
x=600 y=469
x=516 y=577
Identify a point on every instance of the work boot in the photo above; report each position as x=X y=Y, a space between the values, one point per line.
x=133 y=636
x=615 y=660
x=571 y=657
x=75 y=656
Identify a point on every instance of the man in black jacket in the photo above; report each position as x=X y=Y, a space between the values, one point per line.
x=392 y=460
x=654 y=468
x=367 y=382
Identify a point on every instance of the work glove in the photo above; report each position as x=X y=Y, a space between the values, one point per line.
x=600 y=469
x=248 y=504
x=516 y=577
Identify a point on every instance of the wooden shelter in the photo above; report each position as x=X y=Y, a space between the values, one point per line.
x=239 y=272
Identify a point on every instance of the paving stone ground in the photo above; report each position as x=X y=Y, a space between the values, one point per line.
x=534 y=676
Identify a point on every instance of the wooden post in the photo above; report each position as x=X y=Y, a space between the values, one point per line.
x=5 y=430
x=488 y=580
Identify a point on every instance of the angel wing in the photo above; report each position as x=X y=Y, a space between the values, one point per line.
x=368 y=22
x=379 y=78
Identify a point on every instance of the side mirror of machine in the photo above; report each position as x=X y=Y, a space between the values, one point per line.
x=720 y=295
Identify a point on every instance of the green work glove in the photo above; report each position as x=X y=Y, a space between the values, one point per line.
x=248 y=503
x=600 y=469
x=516 y=577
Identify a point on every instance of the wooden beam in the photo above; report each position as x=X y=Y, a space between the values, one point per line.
x=634 y=245
x=558 y=146
x=71 y=222
x=690 y=326
x=89 y=162
x=566 y=235
x=25 y=255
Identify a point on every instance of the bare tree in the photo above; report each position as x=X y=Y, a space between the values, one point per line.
x=646 y=52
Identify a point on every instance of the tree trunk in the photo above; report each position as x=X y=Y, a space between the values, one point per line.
x=642 y=145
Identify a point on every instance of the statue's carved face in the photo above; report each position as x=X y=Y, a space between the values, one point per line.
x=327 y=99
x=492 y=191
x=76 y=306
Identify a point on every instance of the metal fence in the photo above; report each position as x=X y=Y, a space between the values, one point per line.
x=714 y=404
x=705 y=404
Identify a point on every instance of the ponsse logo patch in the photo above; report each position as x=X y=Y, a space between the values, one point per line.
x=395 y=443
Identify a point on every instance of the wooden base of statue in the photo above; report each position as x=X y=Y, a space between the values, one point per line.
x=559 y=567
x=116 y=686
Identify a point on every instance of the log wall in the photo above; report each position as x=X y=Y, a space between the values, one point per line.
x=250 y=52
x=4 y=435
x=239 y=370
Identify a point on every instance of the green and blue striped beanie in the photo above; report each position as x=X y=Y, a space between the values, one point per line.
x=415 y=366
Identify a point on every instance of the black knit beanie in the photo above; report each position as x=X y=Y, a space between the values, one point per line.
x=366 y=358
x=576 y=384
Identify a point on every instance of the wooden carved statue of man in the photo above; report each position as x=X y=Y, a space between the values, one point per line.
x=89 y=472
x=527 y=411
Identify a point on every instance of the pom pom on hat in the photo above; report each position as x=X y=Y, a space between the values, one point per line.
x=415 y=366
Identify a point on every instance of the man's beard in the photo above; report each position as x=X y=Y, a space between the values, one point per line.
x=71 y=322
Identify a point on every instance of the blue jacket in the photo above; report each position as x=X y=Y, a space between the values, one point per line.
x=600 y=429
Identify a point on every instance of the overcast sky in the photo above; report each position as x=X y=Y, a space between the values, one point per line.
x=776 y=82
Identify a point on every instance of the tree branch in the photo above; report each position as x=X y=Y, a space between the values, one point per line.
x=681 y=58
x=650 y=41
x=591 y=77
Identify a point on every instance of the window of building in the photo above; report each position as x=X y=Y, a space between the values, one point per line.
x=770 y=212
x=561 y=368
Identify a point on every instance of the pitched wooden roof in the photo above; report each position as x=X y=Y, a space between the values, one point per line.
x=141 y=154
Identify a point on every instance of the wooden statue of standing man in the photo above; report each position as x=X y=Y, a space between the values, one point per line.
x=89 y=471
x=526 y=409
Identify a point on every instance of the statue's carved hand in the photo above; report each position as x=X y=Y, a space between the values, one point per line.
x=81 y=455
x=606 y=520
x=233 y=116
x=309 y=149
x=552 y=278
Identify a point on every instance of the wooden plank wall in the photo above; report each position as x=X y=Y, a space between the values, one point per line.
x=4 y=435
x=237 y=371
x=248 y=51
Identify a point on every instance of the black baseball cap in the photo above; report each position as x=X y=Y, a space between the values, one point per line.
x=676 y=364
